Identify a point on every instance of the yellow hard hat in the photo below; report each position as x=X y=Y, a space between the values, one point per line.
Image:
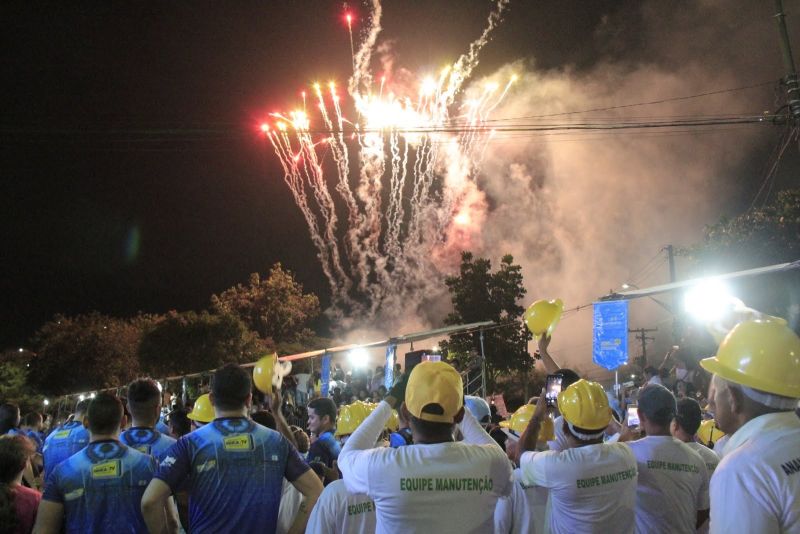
x=761 y=354
x=350 y=416
x=202 y=411
x=585 y=405
x=708 y=433
x=262 y=373
x=519 y=421
x=542 y=316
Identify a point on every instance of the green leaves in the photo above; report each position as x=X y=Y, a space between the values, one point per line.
x=478 y=294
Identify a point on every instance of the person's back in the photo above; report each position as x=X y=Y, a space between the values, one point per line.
x=98 y=489
x=436 y=484
x=673 y=485
x=237 y=469
x=709 y=457
x=232 y=467
x=65 y=440
x=672 y=493
x=144 y=404
x=147 y=441
x=522 y=512
x=592 y=484
x=338 y=511
x=101 y=487
x=435 y=487
x=592 y=488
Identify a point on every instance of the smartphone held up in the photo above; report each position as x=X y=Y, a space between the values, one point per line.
x=552 y=389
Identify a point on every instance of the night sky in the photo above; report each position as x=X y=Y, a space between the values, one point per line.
x=134 y=175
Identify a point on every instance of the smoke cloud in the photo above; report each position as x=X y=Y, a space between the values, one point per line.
x=582 y=212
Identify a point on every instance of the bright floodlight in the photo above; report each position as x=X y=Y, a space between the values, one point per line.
x=92 y=395
x=708 y=300
x=46 y=402
x=82 y=397
x=358 y=357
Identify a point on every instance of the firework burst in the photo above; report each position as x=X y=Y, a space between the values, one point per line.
x=403 y=170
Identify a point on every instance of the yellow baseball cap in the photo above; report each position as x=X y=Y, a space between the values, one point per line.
x=434 y=392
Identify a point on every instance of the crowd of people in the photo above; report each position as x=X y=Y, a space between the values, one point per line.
x=423 y=457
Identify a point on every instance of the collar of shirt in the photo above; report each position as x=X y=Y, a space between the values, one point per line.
x=759 y=425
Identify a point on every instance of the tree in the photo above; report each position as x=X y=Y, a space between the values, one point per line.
x=275 y=308
x=83 y=353
x=757 y=238
x=14 y=367
x=477 y=295
x=189 y=342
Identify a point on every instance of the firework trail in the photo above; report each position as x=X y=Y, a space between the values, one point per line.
x=395 y=241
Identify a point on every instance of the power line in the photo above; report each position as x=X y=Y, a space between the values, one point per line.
x=653 y=102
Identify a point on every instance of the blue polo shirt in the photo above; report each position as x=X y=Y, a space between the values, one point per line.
x=325 y=449
x=233 y=470
x=147 y=440
x=101 y=488
x=62 y=443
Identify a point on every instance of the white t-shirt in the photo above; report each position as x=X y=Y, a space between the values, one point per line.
x=592 y=488
x=719 y=446
x=340 y=512
x=711 y=458
x=673 y=485
x=560 y=441
x=291 y=499
x=523 y=512
x=756 y=487
x=443 y=487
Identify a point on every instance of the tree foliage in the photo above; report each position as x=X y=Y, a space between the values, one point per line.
x=757 y=238
x=477 y=295
x=83 y=353
x=14 y=368
x=189 y=342
x=276 y=307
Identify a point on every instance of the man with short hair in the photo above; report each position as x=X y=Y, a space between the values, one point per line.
x=144 y=404
x=233 y=468
x=756 y=383
x=684 y=427
x=436 y=484
x=672 y=492
x=337 y=509
x=322 y=424
x=65 y=440
x=592 y=484
x=99 y=488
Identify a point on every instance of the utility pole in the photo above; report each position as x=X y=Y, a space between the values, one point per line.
x=792 y=88
x=643 y=337
x=677 y=326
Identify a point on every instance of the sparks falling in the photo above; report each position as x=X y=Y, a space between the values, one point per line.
x=393 y=241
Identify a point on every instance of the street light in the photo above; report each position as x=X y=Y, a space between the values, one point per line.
x=358 y=357
x=708 y=300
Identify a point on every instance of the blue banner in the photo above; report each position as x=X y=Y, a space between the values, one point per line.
x=388 y=369
x=610 y=334
x=325 y=375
